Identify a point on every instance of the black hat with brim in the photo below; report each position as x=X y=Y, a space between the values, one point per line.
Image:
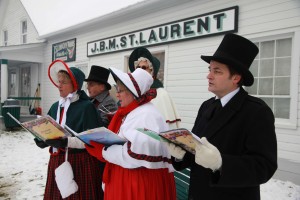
x=143 y=52
x=239 y=53
x=99 y=74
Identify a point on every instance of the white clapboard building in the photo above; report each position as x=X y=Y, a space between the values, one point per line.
x=177 y=32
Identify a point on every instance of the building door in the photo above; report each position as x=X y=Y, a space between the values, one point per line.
x=25 y=83
x=12 y=83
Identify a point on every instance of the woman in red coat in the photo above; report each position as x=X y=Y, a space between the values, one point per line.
x=141 y=168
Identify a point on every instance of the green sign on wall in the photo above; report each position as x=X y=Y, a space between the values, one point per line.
x=65 y=51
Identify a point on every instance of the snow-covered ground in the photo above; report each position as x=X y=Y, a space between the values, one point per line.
x=23 y=168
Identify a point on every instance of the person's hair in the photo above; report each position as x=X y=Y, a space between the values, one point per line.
x=105 y=87
x=233 y=71
x=118 y=82
x=64 y=74
x=136 y=63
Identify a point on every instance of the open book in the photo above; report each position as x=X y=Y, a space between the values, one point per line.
x=43 y=128
x=180 y=137
x=46 y=127
x=101 y=135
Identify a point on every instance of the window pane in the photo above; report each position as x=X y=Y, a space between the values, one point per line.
x=24 y=38
x=265 y=86
x=254 y=68
x=282 y=108
x=269 y=102
x=272 y=72
x=257 y=44
x=282 y=86
x=5 y=38
x=12 y=83
x=161 y=58
x=283 y=67
x=5 y=35
x=25 y=82
x=253 y=88
x=283 y=47
x=267 y=49
x=266 y=68
x=24 y=27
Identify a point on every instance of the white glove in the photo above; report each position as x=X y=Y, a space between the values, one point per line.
x=207 y=155
x=74 y=142
x=175 y=151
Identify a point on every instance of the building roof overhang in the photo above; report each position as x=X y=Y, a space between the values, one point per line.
x=24 y=52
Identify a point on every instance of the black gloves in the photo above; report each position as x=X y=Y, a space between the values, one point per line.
x=40 y=143
x=57 y=143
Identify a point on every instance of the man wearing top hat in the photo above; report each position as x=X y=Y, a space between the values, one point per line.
x=98 y=89
x=238 y=149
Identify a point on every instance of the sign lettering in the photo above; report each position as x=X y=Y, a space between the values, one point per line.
x=217 y=22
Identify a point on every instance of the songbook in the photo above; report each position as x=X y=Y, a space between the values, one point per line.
x=101 y=135
x=180 y=137
x=46 y=127
x=43 y=128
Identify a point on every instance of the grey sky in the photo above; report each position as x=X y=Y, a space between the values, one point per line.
x=52 y=15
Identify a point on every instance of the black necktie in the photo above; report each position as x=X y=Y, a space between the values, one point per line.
x=213 y=109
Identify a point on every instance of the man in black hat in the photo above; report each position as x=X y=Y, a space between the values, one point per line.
x=238 y=149
x=142 y=58
x=98 y=89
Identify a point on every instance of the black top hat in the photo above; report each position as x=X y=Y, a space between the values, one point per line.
x=143 y=52
x=99 y=74
x=238 y=52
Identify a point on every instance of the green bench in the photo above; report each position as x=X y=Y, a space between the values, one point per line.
x=182 y=180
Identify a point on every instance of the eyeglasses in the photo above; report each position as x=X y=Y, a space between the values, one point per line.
x=119 y=90
x=143 y=67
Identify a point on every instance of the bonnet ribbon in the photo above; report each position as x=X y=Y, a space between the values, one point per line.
x=64 y=102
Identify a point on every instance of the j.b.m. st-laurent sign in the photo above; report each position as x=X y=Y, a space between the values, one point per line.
x=217 y=22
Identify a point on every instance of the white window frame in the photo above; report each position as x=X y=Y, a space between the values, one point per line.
x=84 y=67
x=290 y=123
x=24 y=34
x=5 y=37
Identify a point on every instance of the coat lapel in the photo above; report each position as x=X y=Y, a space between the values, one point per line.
x=227 y=112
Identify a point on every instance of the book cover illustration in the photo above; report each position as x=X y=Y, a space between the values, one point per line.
x=43 y=128
x=101 y=135
x=180 y=137
x=183 y=138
